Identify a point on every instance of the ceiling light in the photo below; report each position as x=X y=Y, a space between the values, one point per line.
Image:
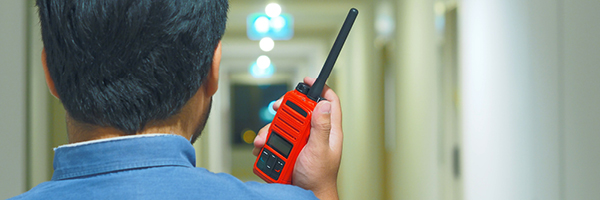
x=263 y=62
x=273 y=10
x=266 y=44
x=261 y=24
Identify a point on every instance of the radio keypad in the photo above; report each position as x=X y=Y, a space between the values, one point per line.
x=270 y=164
x=262 y=161
x=277 y=169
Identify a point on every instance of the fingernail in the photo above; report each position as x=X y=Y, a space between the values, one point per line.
x=325 y=108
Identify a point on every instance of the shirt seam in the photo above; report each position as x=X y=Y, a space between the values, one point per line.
x=60 y=175
x=78 y=144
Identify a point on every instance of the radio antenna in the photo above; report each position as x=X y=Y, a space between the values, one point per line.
x=315 y=91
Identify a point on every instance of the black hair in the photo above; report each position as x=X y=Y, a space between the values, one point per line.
x=124 y=63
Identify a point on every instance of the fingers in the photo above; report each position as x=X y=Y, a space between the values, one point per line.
x=277 y=103
x=260 y=139
x=336 y=112
x=326 y=122
x=327 y=92
x=321 y=124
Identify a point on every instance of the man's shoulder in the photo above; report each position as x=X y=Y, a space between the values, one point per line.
x=280 y=191
x=165 y=182
x=226 y=183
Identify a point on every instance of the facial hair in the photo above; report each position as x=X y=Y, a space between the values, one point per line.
x=202 y=122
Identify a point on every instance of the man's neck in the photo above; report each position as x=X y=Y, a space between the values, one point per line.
x=189 y=120
x=81 y=132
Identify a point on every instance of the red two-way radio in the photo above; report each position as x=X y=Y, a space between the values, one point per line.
x=290 y=128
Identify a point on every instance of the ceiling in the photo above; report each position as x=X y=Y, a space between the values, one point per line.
x=316 y=23
x=312 y=18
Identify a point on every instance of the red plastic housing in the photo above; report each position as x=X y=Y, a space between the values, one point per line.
x=291 y=124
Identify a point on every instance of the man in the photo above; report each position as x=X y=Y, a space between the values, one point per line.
x=136 y=78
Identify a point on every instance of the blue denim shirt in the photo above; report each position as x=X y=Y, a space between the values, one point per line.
x=150 y=167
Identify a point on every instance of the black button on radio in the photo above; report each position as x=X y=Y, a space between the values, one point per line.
x=277 y=169
x=262 y=161
x=271 y=162
x=302 y=88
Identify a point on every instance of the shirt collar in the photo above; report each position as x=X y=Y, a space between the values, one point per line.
x=109 y=139
x=123 y=153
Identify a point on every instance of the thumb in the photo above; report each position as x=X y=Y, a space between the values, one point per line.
x=320 y=124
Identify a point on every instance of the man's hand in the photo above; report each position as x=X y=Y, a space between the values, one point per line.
x=318 y=163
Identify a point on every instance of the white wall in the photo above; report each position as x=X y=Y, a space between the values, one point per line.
x=13 y=97
x=355 y=82
x=40 y=153
x=415 y=173
x=580 y=69
x=530 y=87
x=496 y=97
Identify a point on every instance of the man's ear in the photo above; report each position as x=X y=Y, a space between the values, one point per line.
x=212 y=79
x=49 y=80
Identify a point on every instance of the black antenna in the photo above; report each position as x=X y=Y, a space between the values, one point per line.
x=315 y=91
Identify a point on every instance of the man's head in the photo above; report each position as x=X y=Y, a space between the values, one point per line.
x=127 y=63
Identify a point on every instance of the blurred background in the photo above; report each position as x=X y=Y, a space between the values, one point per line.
x=442 y=99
